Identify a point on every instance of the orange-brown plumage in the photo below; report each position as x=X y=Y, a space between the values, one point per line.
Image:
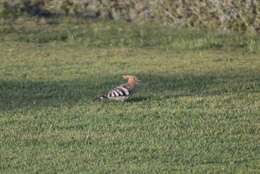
x=132 y=81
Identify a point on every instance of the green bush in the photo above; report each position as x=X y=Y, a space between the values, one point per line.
x=24 y=7
x=231 y=15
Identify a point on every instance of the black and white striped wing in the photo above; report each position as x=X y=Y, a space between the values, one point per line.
x=119 y=93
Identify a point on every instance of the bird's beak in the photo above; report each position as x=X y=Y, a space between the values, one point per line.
x=125 y=77
x=138 y=81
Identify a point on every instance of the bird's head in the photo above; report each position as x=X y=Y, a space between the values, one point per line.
x=131 y=79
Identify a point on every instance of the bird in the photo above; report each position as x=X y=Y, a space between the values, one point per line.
x=123 y=91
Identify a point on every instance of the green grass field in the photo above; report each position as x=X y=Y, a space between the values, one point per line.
x=196 y=111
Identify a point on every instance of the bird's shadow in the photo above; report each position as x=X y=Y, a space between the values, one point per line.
x=138 y=99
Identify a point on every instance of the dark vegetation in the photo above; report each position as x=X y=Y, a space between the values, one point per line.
x=225 y=15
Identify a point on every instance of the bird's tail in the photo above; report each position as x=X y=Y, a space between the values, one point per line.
x=102 y=97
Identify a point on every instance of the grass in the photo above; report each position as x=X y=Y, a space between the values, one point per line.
x=197 y=110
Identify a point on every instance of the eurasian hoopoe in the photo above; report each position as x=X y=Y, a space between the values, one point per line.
x=122 y=92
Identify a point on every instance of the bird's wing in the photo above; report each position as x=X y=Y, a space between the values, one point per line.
x=119 y=91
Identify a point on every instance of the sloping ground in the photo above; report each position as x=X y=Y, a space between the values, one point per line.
x=197 y=110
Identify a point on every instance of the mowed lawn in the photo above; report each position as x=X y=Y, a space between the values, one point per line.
x=197 y=109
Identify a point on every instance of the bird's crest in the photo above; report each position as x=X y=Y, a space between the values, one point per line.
x=131 y=79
